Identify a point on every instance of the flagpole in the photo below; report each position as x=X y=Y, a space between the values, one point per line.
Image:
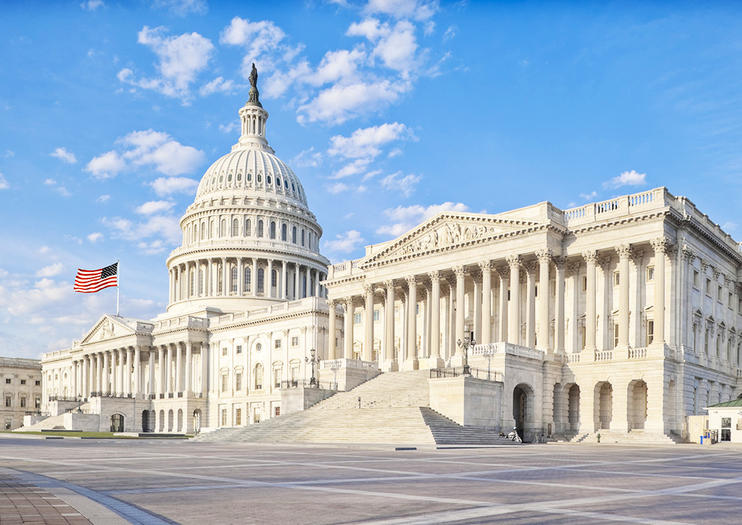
x=118 y=285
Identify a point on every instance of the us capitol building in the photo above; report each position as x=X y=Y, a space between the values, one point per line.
x=621 y=317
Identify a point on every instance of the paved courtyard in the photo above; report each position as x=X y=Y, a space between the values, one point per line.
x=174 y=481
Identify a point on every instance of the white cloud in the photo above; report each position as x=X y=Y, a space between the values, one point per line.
x=50 y=270
x=44 y=293
x=589 y=196
x=405 y=184
x=404 y=218
x=182 y=7
x=229 y=128
x=396 y=45
x=180 y=60
x=345 y=242
x=106 y=165
x=338 y=103
x=152 y=207
x=95 y=237
x=627 y=178
x=215 y=86
x=91 y=5
x=147 y=148
x=164 y=186
x=352 y=168
x=3 y=183
x=450 y=33
x=307 y=159
x=103 y=198
x=59 y=189
x=64 y=155
x=162 y=228
x=367 y=142
x=416 y=9
x=338 y=187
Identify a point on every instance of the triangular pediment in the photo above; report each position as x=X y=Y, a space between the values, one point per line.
x=449 y=230
x=110 y=327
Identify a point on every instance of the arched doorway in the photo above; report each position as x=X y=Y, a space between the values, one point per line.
x=558 y=408
x=637 y=404
x=522 y=408
x=117 y=423
x=180 y=420
x=170 y=420
x=196 y=421
x=162 y=421
x=573 y=408
x=603 y=403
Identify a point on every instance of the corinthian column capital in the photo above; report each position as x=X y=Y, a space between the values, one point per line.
x=623 y=251
x=590 y=256
x=513 y=261
x=543 y=255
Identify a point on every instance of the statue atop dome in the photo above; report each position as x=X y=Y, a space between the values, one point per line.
x=254 y=93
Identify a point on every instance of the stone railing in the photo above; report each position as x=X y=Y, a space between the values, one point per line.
x=637 y=353
x=183 y=321
x=625 y=205
x=603 y=355
x=343 y=269
x=334 y=364
x=573 y=358
x=266 y=311
x=477 y=373
x=507 y=348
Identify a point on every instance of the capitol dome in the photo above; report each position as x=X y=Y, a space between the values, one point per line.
x=249 y=237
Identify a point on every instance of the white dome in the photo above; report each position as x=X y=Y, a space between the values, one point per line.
x=249 y=171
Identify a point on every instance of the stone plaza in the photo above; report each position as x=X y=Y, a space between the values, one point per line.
x=159 y=482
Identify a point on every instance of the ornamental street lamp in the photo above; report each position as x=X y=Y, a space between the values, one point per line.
x=468 y=341
x=313 y=360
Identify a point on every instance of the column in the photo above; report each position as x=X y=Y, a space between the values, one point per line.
x=368 y=324
x=502 y=332
x=590 y=300
x=254 y=277
x=296 y=281
x=559 y=306
x=308 y=283
x=167 y=370
x=332 y=342
x=161 y=370
x=389 y=323
x=348 y=331
x=435 y=320
x=486 y=335
x=151 y=389
x=188 y=387
x=122 y=357
x=284 y=295
x=93 y=373
x=660 y=249
x=542 y=339
x=460 y=290
x=316 y=283
x=476 y=302
x=178 y=369
x=205 y=369
x=114 y=373
x=530 y=304
x=410 y=362
x=84 y=376
x=269 y=280
x=514 y=305
x=137 y=372
x=128 y=371
x=624 y=252
x=225 y=280
x=240 y=277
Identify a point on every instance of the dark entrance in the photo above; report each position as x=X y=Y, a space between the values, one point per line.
x=148 y=420
x=117 y=423
x=520 y=409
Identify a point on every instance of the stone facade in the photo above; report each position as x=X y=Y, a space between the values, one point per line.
x=619 y=315
x=20 y=380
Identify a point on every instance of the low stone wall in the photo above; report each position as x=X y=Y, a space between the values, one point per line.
x=467 y=400
x=301 y=398
x=80 y=421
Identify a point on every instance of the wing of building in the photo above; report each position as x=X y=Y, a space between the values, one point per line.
x=245 y=308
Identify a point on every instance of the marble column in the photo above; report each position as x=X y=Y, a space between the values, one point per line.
x=84 y=376
x=476 y=313
x=240 y=277
x=151 y=388
x=544 y=323
x=530 y=304
x=269 y=279
x=624 y=253
x=168 y=370
x=514 y=304
x=389 y=324
x=332 y=342
x=590 y=301
x=254 y=278
x=348 y=331
x=205 y=369
x=486 y=269
x=178 y=369
x=502 y=328
x=559 y=320
x=161 y=370
x=296 y=281
x=128 y=372
x=410 y=362
x=284 y=295
x=188 y=387
x=137 y=371
x=225 y=278
x=460 y=306
x=435 y=320
x=660 y=246
x=368 y=324
x=307 y=291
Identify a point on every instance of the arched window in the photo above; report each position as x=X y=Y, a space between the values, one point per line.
x=203 y=231
x=191 y=282
x=284 y=232
x=247 y=228
x=259 y=376
x=234 y=279
x=261 y=280
x=293 y=234
x=302 y=236
x=274 y=278
x=273 y=229
x=194 y=237
x=235 y=228
x=260 y=228
x=247 y=276
x=200 y=281
x=223 y=231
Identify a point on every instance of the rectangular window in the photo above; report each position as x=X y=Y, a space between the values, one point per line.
x=729 y=303
x=616 y=278
x=650 y=273
x=719 y=294
x=295 y=341
x=238 y=381
x=8 y=401
x=7 y=380
x=615 y=335
x=277 y=343
x=276 y=411
x=277 y=377
x=225 y=382
x=23 y=402
x=695 y=278
x=224 y=352
x=224 y=417
x=294 y=372
x=376 y=315
x=708 y=287
x=37 y=402
x=650 y=332
x=23 y=381
x=239 y=349
x=238 y=416
x=37 y=382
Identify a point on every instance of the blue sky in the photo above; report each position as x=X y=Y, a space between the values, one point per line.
x=388 y=111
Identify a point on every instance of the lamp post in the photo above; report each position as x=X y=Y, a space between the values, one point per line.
x=468 y=341
x=313 y=360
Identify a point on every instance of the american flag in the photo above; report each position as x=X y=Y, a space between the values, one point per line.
x=91 y=281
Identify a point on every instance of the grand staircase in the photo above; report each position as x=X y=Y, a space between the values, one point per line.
x=632 y=437
x=391 y=408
